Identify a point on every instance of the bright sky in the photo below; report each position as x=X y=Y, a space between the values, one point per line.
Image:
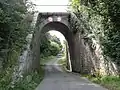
x=51 y=8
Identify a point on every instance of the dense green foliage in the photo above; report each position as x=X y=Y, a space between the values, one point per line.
x=14 y=27
x=29 y=82
x=50 y=46
x=102 y=19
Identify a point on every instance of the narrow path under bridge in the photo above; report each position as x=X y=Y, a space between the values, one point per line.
x=57 y=79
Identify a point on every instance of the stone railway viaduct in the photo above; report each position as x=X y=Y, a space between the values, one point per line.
x=85 y=54
x=83 y=58
x=62 y=22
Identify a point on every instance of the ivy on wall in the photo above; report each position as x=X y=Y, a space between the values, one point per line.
x=101 y=17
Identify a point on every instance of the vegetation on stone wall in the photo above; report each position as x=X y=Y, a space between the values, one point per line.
x=101 y=18
x=15 y=25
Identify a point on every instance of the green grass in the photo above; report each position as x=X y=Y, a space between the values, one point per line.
x=46 y=59
x=29 y=82
x=110 y=82
x=62 y=61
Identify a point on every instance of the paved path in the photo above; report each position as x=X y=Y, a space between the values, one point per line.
x=56 y=79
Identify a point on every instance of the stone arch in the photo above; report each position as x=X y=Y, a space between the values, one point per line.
x=43 y=25
x=58 y=26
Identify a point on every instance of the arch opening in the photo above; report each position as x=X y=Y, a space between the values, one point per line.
x=74 y=39
x=65 y=32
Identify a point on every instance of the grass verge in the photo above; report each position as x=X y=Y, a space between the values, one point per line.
x=30 y=82
x=44 y=60
x=109 y=82
x=63 y=63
